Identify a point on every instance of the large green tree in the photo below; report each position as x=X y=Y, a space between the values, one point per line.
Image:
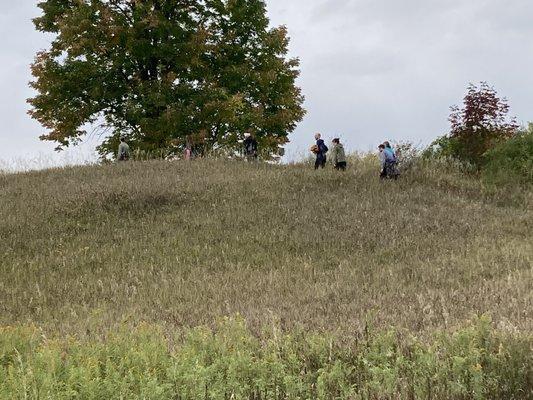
x=157 y=71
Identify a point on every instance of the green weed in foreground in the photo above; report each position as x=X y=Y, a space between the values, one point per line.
x=476 y=362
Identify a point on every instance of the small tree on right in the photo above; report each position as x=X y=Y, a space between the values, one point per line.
x=481 y=124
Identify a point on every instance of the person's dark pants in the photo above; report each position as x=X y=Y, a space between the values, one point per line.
x=340 y=166
x=320 y=161
x=390 y=171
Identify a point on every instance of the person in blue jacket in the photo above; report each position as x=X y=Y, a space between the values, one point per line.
x=390 y=150
x=393 y=155
x=321 y=150
x=387 y=162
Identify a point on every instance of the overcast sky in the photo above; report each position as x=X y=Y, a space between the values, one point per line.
x=371 y=69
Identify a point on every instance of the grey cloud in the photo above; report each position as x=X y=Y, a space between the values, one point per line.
x=356 y=65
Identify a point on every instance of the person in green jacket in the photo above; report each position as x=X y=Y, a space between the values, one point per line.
x=338 y=155
x=123 y=150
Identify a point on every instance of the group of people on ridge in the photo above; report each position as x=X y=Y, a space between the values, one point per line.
x=338 y=155
x=387 y=156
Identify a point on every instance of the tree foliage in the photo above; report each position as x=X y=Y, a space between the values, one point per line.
x=482 y=123
x=158 y=71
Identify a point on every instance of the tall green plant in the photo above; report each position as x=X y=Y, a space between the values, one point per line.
x=476 y=362
x=511 y=161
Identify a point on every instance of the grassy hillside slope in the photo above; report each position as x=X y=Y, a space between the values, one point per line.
x=115 y=279
x=182 y=244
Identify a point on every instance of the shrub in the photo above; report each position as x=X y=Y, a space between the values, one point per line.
x=511 y=161
x=480 y=125
x=408 y=155
x=476 y=128
x=442 y=147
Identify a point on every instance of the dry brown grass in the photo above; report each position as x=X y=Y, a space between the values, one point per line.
x=182 y=244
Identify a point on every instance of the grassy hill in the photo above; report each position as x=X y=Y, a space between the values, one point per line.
x=88 y=250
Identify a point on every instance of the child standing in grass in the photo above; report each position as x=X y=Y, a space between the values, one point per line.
x=338 y=155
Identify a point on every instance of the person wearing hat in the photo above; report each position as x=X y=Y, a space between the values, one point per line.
x=250 y=147
x=338 y=155
x=123 y=150
x=320 y=149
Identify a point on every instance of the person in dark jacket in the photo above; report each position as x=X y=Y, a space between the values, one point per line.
x=321 y=150
x=250 y=147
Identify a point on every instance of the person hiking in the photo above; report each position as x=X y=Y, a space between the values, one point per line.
x=338 y=155
x=393 y=154
x=250 y=147
x=320 y=149
x=198 y=144
x=389 y=149
x=187 y=153
x=123 y=150
x=387 y=162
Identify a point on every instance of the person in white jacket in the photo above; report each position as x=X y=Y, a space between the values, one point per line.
x=124 y=152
